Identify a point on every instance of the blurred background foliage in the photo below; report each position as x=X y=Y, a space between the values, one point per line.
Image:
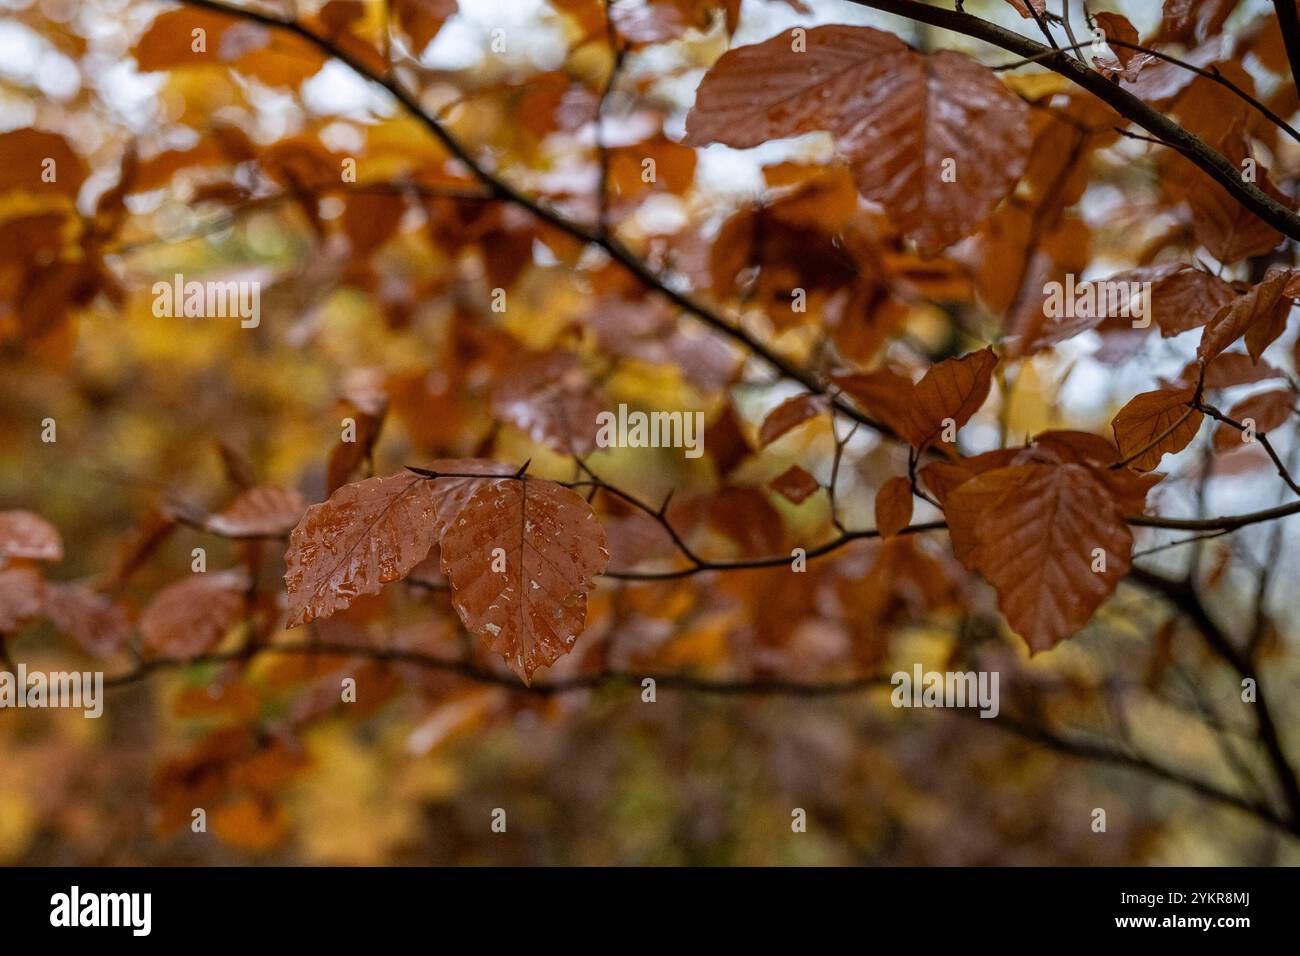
x=381 y=293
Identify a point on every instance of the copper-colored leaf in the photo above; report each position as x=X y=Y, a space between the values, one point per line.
x=275 y=57
x=366 y=535
x=883 y=394
x=1228 y=369
x=1182 y=297
x=1128 y=488
x=25 y=535
x=1125 y=62
x=23 y=155
x=795 y=484
x=421 y=20
x=452 y=493
x=1155 y=424
x=521 y=557
x=550 y=397
x=1116 y=26
x=1186 y=20
x=953 y=389
x=1023 y=7
x=365 y=402
x=937 y=140
x=943 y=477
x=259 y=512
x=97 y=624
x=893 y=506
x=790 y=414
x=1222 y=223
x=191 y=617
x=1264 y=412
x=1260 y=306
x=1051 y=541
x=21 y=597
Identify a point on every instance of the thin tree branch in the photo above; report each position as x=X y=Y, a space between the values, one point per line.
x=1043 y=736
x=1212 y=74
x=1261 y=437
x=1187 y=599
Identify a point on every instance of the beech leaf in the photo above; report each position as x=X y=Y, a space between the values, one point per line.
x=21 y=597
x=25 y=535
x=1261 y=306
x=936 y=139
x=97 y=624
x=364 y=536
x=191 y=617
x=893 y=506
x=953 y=389
x=1155 y=424
x=1265 y=411
x=521 y=557
x=794 y=484
x=1051 y=540
x=259 y=512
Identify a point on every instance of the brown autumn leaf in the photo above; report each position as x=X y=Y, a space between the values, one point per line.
x=365 y=406
x=1222 y=223
x=276 y=57
x=1078 y=446
x=1228 y=369
x=893 y=506
x=746 y=517
x=794 y=484
x=906 y=122
x=1262 y=413
x=1128 y=488
x=1050 y=539
x=944 y=477
x=1182 y=297
x=451 y=494
x=250 y=822
x=1022 y=7
x=93 y=620
x=1261 y=308
x=22 y=596
x=521 y=557
x=1124 y=62
x=367 y=534
x=370 y=219
x=1185 y=20
x=23 y=156
x=884 y=394
x=648 y=22
x=1116 y=26
x=1155 y=424
x=191 y=616
x=264 y=511
x=790 y=414
x=25 y=535
x=549 y=397
x=421 y=20
x=953 y=389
